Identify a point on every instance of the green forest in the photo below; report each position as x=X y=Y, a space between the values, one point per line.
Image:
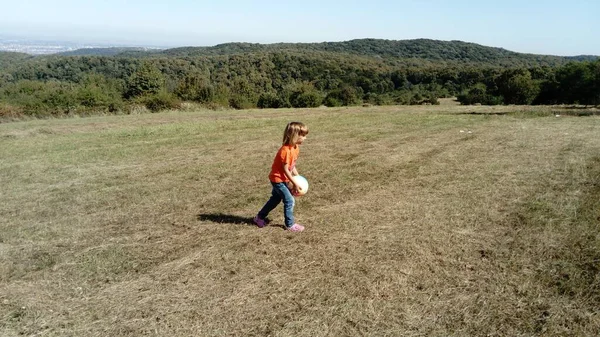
x=245 y=75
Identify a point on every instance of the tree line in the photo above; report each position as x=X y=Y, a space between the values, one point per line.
x=278 y=78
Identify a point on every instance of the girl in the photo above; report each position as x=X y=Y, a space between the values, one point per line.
x=282 y=175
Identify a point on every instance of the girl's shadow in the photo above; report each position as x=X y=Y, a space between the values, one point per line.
x=225 y=218
x=230 y=219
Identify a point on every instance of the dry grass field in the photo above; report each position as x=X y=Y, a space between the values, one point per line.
x=421 y=221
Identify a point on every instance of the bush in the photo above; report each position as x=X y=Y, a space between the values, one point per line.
x=346 y=96
x=60 y=99
x=146 y=80
x=300 y=95
x=221 y=95
x=42 y=98
x=243 y=94
x=8 y=111
x=269 y=100
x=96 y=97
x=379 y=99
x=195 y=88
x=98 y=92
x=332 y=101
x=240 y=102
x=478 y=94
x=402 y=97
x=517 y=87
x=160 y=101
x=310 y=99
x=427 y=98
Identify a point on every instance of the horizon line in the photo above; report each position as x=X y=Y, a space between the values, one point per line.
x=104 y=44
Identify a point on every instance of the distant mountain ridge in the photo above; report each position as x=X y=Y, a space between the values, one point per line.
x=377 y=49
x=108 y=51
x=434 y=50
x=583 y=57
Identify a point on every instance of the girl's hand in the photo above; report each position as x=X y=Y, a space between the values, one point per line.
x=295 y=191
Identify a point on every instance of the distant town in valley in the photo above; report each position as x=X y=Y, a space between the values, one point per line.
x=41 y=47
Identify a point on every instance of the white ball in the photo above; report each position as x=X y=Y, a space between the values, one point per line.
x=303 y=184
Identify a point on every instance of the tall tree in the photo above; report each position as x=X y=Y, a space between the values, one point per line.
x=146 y=80
x=517 y=87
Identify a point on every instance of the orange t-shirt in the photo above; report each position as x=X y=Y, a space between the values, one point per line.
x=287 y=154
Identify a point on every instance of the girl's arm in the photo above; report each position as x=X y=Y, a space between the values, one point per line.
x=290 y=176
x=294 y=172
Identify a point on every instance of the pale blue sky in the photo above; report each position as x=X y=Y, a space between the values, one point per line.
x=530 y=26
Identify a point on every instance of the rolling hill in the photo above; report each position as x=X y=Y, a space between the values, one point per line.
x=424 y=49
x=112 y=51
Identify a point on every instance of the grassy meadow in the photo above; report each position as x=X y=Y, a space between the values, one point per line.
x=420 y=221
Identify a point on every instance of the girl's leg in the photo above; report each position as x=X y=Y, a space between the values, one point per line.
x=288 y=203
x=271 y=203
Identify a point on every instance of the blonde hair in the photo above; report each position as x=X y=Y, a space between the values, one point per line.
x=292 y=131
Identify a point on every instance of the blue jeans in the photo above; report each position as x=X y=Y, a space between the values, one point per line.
x=280 y=192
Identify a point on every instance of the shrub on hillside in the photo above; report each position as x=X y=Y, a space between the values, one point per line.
x=96 y=92
x=478 y=94
x=146 y=80
x=160 y=101
x=41 y=98
x=243 y=94
x=424 y=98
x=310 y=99
x=517 y=87
x=332 y=101
x=346 y=96
x=10 y=111
x=269 y=100
x=402 y=97
x=300 y=95
x=221 y=96
x=240 y=102
x=195 y=88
